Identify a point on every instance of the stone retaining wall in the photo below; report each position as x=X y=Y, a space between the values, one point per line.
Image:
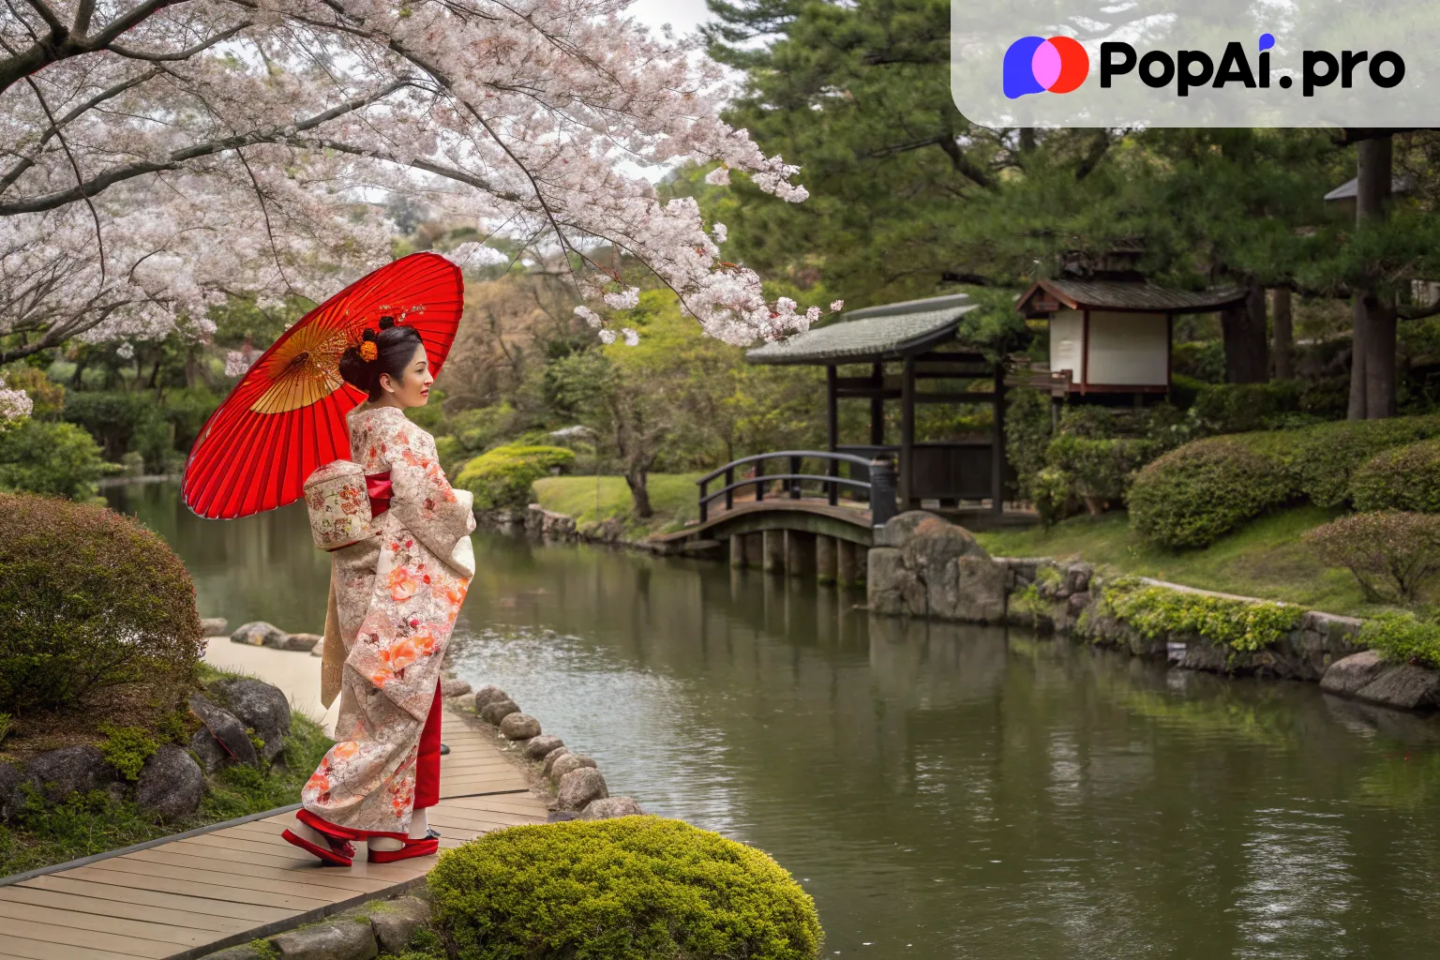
x=923 y=566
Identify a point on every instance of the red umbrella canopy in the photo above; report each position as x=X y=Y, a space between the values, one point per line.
x=286 y=416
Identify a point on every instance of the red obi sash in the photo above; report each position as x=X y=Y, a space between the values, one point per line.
x=377 y=485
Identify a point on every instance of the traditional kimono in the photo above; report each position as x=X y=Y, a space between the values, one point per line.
x=393 y=603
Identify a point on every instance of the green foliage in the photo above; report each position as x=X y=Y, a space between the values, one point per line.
x=1391 y=555
x=1406 y=478
x=43 y=833
x=57 y=459
x=1102 y=467
x=113 y=418
x=46 y=396
x=1196 y=493
x=1029 y=426
x=1052 y=491
x=1242 y=407
x=632 y=888
x=1403 y=638
x=127 y=748
x=1242 y=625
x=502 y=477
x=89 y=599
x=1204 y=489
x=1202 y=361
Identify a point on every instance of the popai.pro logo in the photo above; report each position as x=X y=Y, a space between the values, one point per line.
x=1037 y=65
x=1060 y=65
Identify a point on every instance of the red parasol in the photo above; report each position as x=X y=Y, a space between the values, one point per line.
x=286 y=416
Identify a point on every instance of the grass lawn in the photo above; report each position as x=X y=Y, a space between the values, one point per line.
x=1266 y=559
x=596 y=499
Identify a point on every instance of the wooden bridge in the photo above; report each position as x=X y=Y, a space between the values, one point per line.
x=815 y=511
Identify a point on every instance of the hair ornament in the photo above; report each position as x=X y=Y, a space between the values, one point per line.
x=368 y=351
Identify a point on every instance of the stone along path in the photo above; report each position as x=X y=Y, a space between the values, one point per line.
x=188 y=895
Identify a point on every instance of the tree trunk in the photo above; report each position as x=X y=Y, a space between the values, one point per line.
x=1372 y=369
x=1244 y=329
x=635 y=479
x=1283 y=335
x=1358 y=340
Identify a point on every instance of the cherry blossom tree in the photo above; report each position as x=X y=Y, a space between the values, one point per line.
x=164 y=154
x=14 y=404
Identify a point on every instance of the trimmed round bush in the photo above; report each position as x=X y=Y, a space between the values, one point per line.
x=1406 y=478
x=89 y=599
x=1197 y=493
x=1323 y=458
x=502 y=477
x=631 y=888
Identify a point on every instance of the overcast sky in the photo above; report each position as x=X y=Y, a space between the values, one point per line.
x=683 y=15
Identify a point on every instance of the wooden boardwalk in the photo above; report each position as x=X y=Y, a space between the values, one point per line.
x=188 y=895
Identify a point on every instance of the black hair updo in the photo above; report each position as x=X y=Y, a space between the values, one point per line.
x=394 y=349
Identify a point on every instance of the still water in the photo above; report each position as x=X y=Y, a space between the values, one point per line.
x=944 y=792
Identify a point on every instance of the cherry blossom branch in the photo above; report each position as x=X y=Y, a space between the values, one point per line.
x=152 y=56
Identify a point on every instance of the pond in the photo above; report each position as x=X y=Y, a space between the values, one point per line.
x=944 y=792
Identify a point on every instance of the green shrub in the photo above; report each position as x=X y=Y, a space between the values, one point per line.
x=1193 y=495
x=89 y=599
x=127 y=748
x=1053 y=491
x=632 y=888
x=1029 y=425
x=1201 y=360
x=502 y=477
x=1323 y=458
x=47 y=397
x=1102 y=467
x=1242 y=625
x=1406 y=478
x=1390 y=554
x=1242 y=407
x=1403 y=638
x=58 y=459
x=112 y=417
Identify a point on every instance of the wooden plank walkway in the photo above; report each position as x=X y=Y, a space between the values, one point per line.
x=188 y=895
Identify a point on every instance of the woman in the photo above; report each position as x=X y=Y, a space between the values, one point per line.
x=394 y=599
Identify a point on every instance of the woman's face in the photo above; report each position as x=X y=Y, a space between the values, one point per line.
x=413 y=389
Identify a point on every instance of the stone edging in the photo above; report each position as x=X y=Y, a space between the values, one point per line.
x=923 y=566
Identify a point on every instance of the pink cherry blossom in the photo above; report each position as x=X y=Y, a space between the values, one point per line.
x=164 y=156
x=837 y=305
x=14 y=404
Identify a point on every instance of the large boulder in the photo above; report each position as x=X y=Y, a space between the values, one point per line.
x=611 y=807
x=519 y=726
x=453 y=687
x=208 y=751
x=171 y=783
x=396 y=921
x=336 y=940
x=487 y=695
x=11 y=797
x=258 y=633
x=303 y=642
x=59 y=773
x=1367 y=676
x=568 y=764
x=226 y=730
x=261 y=707
x=923 y=566
x=498 y=711
x=553 y=758
x=541 y=747
x=1349 y=675
x=213 y=626
x=579 y=788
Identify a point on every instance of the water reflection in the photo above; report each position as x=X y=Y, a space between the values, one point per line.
x=943 y=792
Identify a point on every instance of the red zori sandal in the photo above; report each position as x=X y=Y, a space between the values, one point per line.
x=426 y=847
x=337 y=853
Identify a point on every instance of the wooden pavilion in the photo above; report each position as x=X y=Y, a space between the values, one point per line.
x=1110 y=340
x=909 y=352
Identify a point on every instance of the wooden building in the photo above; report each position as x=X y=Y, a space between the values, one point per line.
x=909 y=353
x=1110 y=340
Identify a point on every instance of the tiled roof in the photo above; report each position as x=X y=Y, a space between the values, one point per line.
x=1122 y=295
x=887 y=332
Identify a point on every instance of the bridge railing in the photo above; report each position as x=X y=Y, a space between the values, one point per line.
x=879 y=488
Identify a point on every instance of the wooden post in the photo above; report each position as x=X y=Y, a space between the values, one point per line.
x=1084 y=352
x=907 y=433
x=799 y=553
x=997 y=444
x=877 y=406
x=774 y=541
x=825 y=565
x=754 y=549
x=832 y=421
x=737 y=551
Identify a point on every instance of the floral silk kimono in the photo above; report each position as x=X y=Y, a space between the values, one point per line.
x=393 y=603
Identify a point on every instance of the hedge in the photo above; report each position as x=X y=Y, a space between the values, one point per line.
x=1406 y=478
x=89 y=599
x=1195 y=494
x=1199 y=492
x=502 y=477
x=631 y=888
x=1403 y=638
